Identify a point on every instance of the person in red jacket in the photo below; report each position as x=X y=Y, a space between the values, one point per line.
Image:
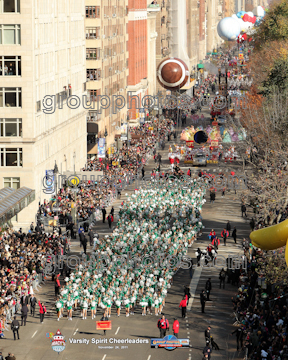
x=163 y=325
x=224 y=235
x=183 y=305
x=42 y=311
x=176 y=327
x=216 y=242
x=212 y=234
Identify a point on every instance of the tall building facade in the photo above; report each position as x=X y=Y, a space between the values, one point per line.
x=152 y=36
x=164 y=38
x=42 y=63
x=106 y=66
x=137 y=63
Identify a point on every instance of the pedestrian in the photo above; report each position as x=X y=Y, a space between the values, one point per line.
x=143 y=172
x=112 y=211
x=104 y=214
x=198 y=255
x=203 y=300
x=10 y=357
x=207 y=350
x=216 y=242
x=187 y=292
x=57 y=285
x=84 y=243
x=163 y=325
x=224 y=236
x=24 y=299
x=33 y=302
x=228 y=228
x=189 y=172
x=109 y=218
x=183 y=305
x=1 y=356
x=42 y=311
x=205 y=356
x=24 y=314
x=176 y=327
x=212 y=196
x=104 y=318
x=15 y=327
x=222 y=277
x=243 y=210
x=239 y=337
x=223 y=190
x=91 y=236
x=207 y=334
x=208 y=288
x=234 y=234
x=159 y=158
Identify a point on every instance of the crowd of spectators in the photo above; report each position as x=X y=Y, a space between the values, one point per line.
x=22 y=260
x=261 y=314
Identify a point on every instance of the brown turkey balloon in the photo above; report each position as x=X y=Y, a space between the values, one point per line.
x=172 y=73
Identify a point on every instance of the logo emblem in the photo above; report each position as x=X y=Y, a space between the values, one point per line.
x=58 y=342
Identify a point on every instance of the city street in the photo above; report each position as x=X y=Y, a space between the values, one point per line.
x=34 y=344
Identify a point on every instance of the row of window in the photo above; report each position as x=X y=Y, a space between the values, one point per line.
x=11 y=157
x=11 y=182
x=10 y=127
x=10 y=65
x=10 y=35
x=92 y=11
x=93 y=74
x=93 y=54
x=9 y=6
x=10 y=97
x=93 y=33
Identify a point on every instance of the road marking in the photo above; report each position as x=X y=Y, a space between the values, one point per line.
x=117 y=330
x=104 y=357
x=193 y=285
x=34 y=334
x=149 y=357
x=75 y=331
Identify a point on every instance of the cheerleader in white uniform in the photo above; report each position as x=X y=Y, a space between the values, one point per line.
x=93 y=306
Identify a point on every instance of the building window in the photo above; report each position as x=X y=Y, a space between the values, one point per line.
x=11 y=157
x=10 y=97
x=93 y=95
x=93 y=54
x=93 y=33
x=93 y=74
x=92 y=11
x=10 y=65
x=11 y=127
x=9 y=6
x=10 y=35
x=11 y=182
x=93 y=116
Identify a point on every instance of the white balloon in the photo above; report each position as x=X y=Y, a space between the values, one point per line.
x=250 y=13
x=258 y=11
x=228 y=29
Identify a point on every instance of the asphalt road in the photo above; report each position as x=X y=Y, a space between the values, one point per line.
x=34 y=343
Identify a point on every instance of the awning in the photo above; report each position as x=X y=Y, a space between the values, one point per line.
x=92 y=128
x=92 y=149
x=200 y=66
x=208 y=53
x=13 y=201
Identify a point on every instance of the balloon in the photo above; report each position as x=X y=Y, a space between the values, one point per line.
x=258 y=11
x=240 y=13
x=228 y=29
x=250 y=13
x=172 y=73
x=234 y=16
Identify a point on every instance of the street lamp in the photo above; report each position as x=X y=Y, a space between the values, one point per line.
x=128 y=132
x=74 y=157
x=55 y=172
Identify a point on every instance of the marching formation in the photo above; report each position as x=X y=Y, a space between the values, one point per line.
x=155 y=229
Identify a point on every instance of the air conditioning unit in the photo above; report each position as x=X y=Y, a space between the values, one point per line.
x=121 y=90
x=110 y=69
x=124 y=68
x=114 y=34
x=114 y=15
x=115 y=71
x=103 y=36
x=114 y=54
x=105 y=16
